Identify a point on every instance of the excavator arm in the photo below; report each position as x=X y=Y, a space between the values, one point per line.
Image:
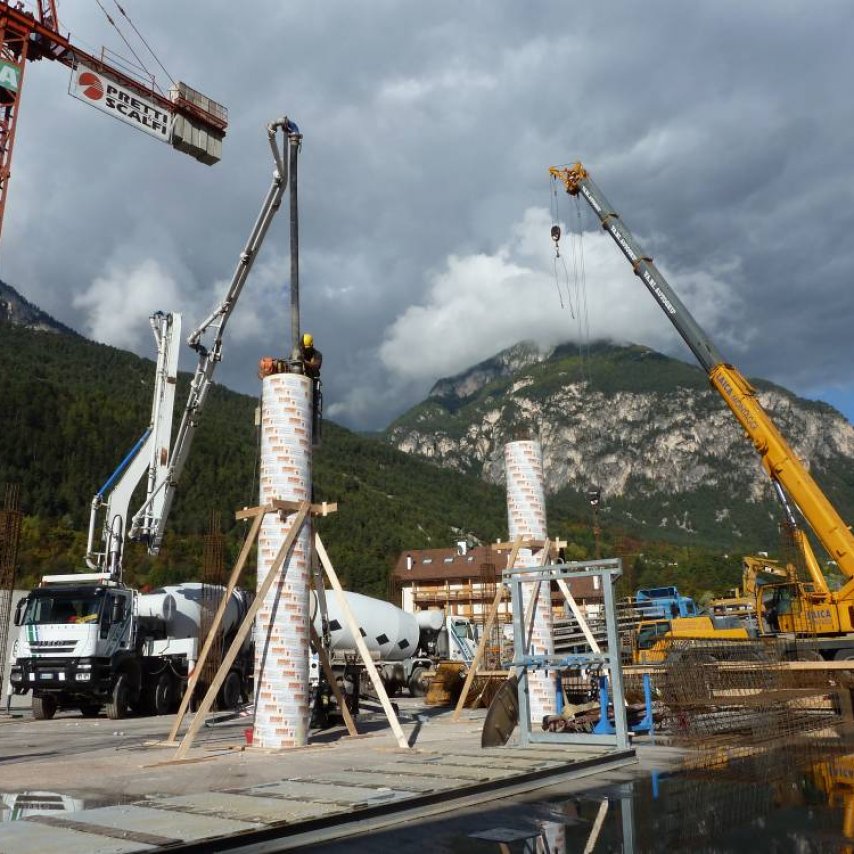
x=778 y=459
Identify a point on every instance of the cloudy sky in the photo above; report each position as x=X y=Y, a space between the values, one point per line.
x=722 y=131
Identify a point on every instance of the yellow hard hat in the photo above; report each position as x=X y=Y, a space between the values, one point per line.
x=307 y=339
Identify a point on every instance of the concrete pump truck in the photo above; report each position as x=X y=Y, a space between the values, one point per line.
x=807 y=613
x=87 y=640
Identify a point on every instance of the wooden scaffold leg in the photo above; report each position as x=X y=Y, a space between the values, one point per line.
x=365 y=654
x=243 y=631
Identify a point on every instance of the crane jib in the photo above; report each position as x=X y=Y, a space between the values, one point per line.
x=624 y=244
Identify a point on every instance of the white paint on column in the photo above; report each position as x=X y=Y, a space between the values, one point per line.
x=281 y=628
x=526 y=516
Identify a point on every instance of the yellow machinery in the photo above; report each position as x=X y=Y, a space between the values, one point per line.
x=809 y=609
x=742 y=602
x=653 y=637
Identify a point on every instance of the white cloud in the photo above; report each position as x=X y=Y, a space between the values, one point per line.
x=481 y=303
x=118 y=303
x=428 y=129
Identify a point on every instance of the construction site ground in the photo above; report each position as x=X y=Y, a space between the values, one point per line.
x=116 y=788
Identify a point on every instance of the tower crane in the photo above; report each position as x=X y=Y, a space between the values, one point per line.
x=186 y=119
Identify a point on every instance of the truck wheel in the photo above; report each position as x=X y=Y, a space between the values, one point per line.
x=844 y=655
x=90 y=710
x=119 y=702
x=163 y=694
x=44 y=707
x=418 y=684
x=231 y=691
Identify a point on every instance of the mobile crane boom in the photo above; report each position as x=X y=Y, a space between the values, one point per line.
x=149 y=521
x=778 y=459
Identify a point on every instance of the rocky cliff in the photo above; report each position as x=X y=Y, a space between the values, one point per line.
x=646 y=429
x=20 y=312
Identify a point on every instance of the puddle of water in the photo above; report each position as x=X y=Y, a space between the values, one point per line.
x=784 y=800
x=16 y=806
x=777 y=801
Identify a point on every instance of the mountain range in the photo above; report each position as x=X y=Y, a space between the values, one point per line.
x=70 y=409
x=682 y=493
x=646 y=430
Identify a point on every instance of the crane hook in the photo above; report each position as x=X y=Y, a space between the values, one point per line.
x=556 y=238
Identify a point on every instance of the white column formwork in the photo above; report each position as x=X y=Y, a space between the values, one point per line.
x=282 y=627
x=526 y=516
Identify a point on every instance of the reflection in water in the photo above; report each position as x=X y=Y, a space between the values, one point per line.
x=792 y=798
x=20 y=805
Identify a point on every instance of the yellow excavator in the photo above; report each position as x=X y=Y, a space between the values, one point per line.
x=742 y=600
x=821 y=619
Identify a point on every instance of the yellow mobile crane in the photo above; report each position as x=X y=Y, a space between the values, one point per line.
x=803 y=609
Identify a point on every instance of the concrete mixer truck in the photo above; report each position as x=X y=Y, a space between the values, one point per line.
x=406 y=647
x=86 y=641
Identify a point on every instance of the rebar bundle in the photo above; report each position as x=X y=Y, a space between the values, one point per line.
x=492 y=649
x=213 y=589
x=726 y=698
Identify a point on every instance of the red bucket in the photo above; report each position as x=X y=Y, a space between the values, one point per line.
x=247 y=734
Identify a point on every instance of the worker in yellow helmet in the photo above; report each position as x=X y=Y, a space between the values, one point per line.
x=311 y=357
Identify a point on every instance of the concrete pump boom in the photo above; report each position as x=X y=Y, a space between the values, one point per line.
x=149 y=526
x=150 y=453
x=778 y=459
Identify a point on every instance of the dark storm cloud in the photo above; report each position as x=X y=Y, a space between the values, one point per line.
x=722 y=131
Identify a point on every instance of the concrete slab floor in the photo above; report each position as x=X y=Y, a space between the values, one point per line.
x=225 y=788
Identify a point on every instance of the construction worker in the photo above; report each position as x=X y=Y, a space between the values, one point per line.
x=312 y=359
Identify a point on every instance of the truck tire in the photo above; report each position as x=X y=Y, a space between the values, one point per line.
x=418 y=685
x=231 y=692
x=846 y=654
x=118 y=705
x=90 y=710
x=44 y=707
x=163 y=694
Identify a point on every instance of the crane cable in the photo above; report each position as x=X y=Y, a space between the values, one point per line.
x=129 y=46
x=581 y=314
x=142 y=39
x=555 y=234
x=127 y=43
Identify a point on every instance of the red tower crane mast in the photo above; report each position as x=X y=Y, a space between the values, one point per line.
x=195 y=124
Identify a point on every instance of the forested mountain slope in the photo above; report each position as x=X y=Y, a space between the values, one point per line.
x=669 y=456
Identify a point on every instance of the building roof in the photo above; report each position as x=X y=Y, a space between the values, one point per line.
x=447 y=564
x=450 y=564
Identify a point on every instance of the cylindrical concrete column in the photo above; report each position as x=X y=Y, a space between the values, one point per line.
x=526 y=516
x=282 y=625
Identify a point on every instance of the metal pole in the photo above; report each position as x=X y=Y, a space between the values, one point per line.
x=615 y=670
x=519 y=652
x=294 y=141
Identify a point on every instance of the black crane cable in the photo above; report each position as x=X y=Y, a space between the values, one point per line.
x=142 y=39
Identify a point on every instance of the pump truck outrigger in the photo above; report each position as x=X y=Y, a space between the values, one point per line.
x=87 y=640
x=821 y=620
